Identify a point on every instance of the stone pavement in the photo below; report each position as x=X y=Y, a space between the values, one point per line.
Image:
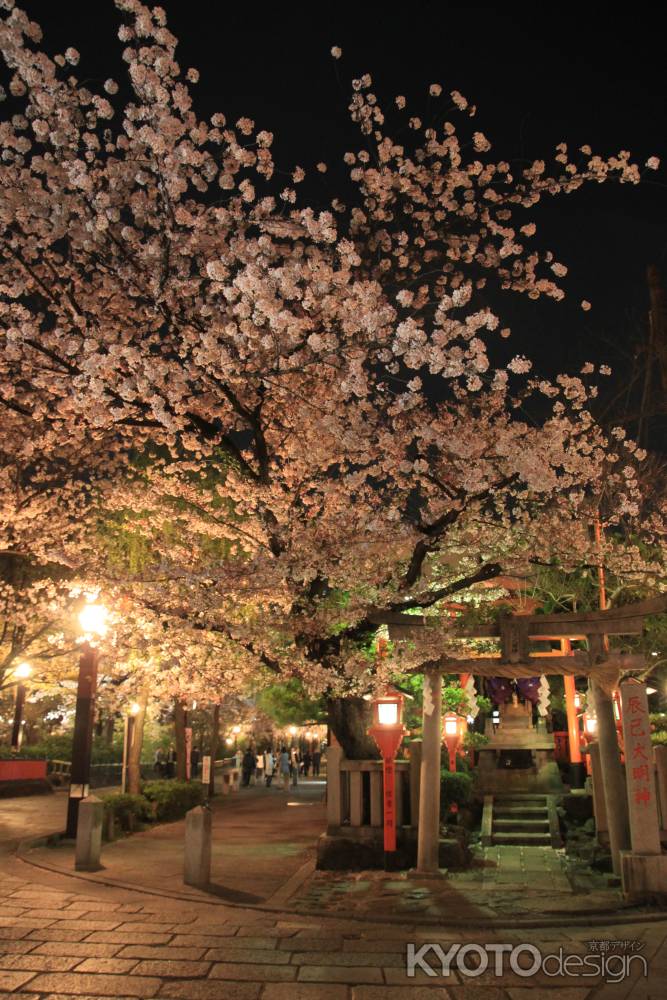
x=505 y=883
x=62 y=938
x=261 y=838
x=35 y=815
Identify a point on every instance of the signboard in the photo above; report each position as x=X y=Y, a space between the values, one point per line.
x=205 y=770
x=188 y=752
x=639 y=770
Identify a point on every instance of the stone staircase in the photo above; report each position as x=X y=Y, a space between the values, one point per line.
x=520 y=820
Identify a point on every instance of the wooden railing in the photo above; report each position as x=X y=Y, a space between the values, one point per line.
x=355 y=792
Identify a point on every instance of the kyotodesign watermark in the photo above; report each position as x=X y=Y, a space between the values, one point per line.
x=610 y=960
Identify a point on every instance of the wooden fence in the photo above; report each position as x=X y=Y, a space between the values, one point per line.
x=355 y=793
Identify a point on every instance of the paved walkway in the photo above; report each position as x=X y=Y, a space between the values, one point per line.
x=60 y=940
x=35 y=815
x=505 y=885
x=261 y=839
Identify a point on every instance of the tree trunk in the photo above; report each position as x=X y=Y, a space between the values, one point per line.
x=213 y=750
x=134 y=755
x=109 y=728
x=349 y=718
x=179 y=731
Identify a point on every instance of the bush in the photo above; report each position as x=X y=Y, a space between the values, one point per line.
x=659 y=738
x=127 y=810
x=455 y=789
x=473 y=740
x=171 y=800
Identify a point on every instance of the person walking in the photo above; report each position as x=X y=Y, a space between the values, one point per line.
x=317 y=757
x=269 y=765
x=159 y=762
x=248 y=766
x=171 y=761
x=307 y=761
x=194 y=761
x=294 y=766
x=284 y=767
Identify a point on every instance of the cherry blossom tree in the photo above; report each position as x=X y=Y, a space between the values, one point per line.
x=326 y=430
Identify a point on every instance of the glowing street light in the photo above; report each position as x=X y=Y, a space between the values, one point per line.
x=93 y=621
x=21 y=673
x=388 y=732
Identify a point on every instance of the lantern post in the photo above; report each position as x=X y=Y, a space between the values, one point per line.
x=453 y=736
x=93 y=619
x=388 y=732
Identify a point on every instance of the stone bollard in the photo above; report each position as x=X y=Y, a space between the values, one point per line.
x=89 y=835
x=197 y=869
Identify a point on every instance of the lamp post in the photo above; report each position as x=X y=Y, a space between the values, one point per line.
x=236 y=730
x=128 y=740
x=453 y=737
x=292 y=732
x=21 y=673
x=93 y=623
x=388 y=732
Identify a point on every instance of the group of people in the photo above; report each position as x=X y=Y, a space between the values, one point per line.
x=165 y=762
x=285 y=763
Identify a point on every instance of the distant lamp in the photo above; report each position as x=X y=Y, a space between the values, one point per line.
x=23 y=671
x=135 y=708
x=93 y=619
x=236 y=730
x=590 y=726
x=229 y=741
x=650 y=690
x=577 y=700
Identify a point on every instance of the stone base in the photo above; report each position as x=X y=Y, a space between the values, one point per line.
x=345 y=852
x=644 y=877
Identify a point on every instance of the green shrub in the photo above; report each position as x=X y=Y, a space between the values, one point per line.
x=171 y=800
x=455 y=789
x=127 y=810
x=659 y=738
x=473 y=740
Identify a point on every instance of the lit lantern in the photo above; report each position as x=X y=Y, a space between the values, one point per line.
x=388 y=732
x=23 y=671
x=454 y=727
x=590 y=727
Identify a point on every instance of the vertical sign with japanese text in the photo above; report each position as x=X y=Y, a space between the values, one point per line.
x=639 y=771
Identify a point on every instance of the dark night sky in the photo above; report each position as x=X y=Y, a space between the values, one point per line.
x=536 y=83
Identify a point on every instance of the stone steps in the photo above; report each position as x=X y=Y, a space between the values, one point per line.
x=521 y=825
x=523 y=839
x=517 y=820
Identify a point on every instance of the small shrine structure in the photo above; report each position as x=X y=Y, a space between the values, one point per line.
x=520 y=657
